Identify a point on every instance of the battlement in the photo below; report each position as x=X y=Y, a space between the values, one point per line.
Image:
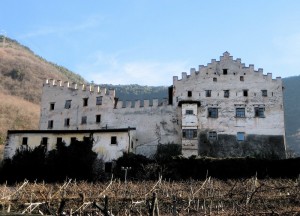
x=204 y=70
x=79 y=87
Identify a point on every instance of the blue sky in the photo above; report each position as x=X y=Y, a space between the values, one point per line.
x=148 y=42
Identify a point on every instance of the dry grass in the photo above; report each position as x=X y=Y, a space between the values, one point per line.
x=17 y=114
x=209 y=197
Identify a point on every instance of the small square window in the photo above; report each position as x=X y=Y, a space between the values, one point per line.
x=212 y=112
x=52 y=105
x=215 y=79
x=25 y=141
x=240 y=112
x=242 y=78
x=189 y=93
x=264 y=93
x=189 y=112
x=113 y=140
x=99 y=100
x=212 y=135
x=67 y=122
x=208 y=93
x=240 y=136
x=259 y=112
x=83 y=120
x=98 y=118
x=226 y=93
x=44 y=141
x=73 y=139
x=189 y=133
x=85 y=101
x=50 y=124
x=68 y=104
x=225 y=71
x=245 y=93
x=59 y=140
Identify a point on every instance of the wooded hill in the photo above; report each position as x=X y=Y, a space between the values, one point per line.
x=22 y=73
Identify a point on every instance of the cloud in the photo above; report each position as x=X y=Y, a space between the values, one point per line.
x=110 y=69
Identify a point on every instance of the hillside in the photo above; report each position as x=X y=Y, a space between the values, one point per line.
x=22 y=72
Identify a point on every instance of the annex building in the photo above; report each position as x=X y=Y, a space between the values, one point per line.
x=223 y=109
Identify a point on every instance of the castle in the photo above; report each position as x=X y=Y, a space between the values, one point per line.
x=223 y=109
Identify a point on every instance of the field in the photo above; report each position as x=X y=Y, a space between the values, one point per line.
x=208 y=197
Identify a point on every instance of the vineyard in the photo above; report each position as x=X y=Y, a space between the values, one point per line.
x=208 y=197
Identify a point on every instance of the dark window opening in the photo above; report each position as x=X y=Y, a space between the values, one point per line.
x=245 y=93
x=241 y=78
x=212 y=135
x=67 y=122
x=59 y=140
x=44 y=141
x=189 y=93
x=50 y=124
x=189 y=133
x=212 y=112
x=86 y=139
x=225 y=71
x=85 y=101
x=73 y=139
x=25 y=141
x=215 y=79
x=68 y=104
x=108 y=167
x=208 y=93
x=99 y=100
x=189 y=112
x=52 y=105
x=264 y=93
x=98 y=118
x=113 y=140
x=240 y=112
x=83 y=120
x=226 y=93
x=240 y=136
x=259 y=112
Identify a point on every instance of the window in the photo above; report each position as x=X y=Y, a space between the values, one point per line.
x=52 y=106
x=189 y=133
x=245 y=93
x=113 y=140
x=226 y=93
x=225 y=71
x=212 y=112
x=25 y=141
x=44 y=141
x=264 y=93
x=59 y=140
x=240 y=112
x=240 y=136
x=83 y=119
x=189 y=93
x=73 y=139
x=215 y=79
x=208 y=93
x=99 y=100
x=242 y=78
x=85 y=101
x=98 y=118
x=212 y=135
x=68 y=104
x=189 y=112
x=259 y=112
x=50 y=124
x=67 y=122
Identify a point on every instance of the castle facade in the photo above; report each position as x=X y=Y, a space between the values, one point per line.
x=223 y=109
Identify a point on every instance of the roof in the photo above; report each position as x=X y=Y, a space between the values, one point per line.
x=111 y=130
